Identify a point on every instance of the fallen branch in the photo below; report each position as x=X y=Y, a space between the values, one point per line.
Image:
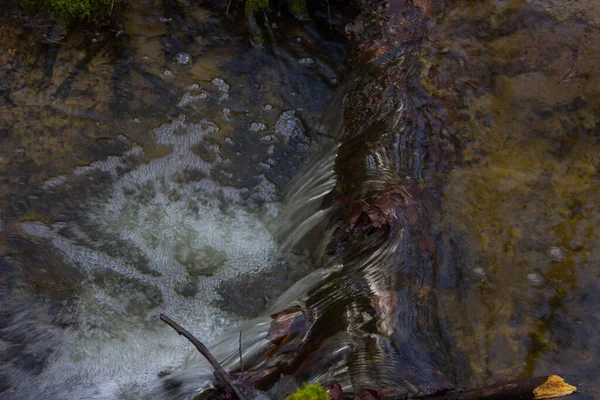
x=541 y=387
x=220 y=373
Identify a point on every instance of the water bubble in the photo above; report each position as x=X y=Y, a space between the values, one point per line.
x=220 y=84
x=167 y=73
x=289 y=126
x=268 y=107
x=136 y=120
x=165 y=19
x=306 y=61
x=535 y=279
x=193 y=86
x=219 y=321
x=557 y=253
x=268 y=138
x=146 y=58
x=226 y=113
x=258 y=126
x=94 y=40
x=299 y=39
x=188 y=98
x=183 y=59
x=479 y=272
x=335 y=80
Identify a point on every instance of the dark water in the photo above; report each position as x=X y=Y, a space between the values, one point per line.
x=132 y=184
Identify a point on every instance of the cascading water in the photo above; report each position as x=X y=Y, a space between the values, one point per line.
x=453 y=226
x=173 y=215
x=162 y=236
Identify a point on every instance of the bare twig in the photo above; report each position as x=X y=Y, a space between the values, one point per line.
x=221 y=374
x=111 y=7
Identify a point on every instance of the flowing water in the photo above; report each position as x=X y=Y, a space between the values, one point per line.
x=144 y=169
x=141 y=167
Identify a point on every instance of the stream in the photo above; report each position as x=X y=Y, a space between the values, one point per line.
x=165 y=164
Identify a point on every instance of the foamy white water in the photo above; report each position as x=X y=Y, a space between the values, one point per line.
x=160 y=238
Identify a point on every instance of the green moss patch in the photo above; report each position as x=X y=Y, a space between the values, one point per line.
x=70 y=11
x=309 y=392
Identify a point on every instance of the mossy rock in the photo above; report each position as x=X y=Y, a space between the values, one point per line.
x=70 y=11
x=309 y=392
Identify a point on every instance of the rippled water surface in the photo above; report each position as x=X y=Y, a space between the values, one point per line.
x=142 y=169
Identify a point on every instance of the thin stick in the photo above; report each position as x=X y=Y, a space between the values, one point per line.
x=222 y=375
x=111 y=7
x=228 y=5
x=240 y=351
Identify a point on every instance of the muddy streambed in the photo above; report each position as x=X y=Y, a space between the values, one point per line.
x=143 y=165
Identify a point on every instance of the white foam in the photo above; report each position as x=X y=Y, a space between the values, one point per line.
x=116 y=350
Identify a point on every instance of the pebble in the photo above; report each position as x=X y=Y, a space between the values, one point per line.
x=167 y=73
x=268 y=107
x=136 y=120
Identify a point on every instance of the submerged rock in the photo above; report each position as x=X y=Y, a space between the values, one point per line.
x=203 y=262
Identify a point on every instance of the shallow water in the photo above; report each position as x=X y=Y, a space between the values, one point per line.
x=520 y=81
x=133 y=185
x=142 y=166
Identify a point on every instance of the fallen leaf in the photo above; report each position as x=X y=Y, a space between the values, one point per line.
x=555 y=386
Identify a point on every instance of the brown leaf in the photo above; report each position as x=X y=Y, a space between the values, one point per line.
x=336 y=392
